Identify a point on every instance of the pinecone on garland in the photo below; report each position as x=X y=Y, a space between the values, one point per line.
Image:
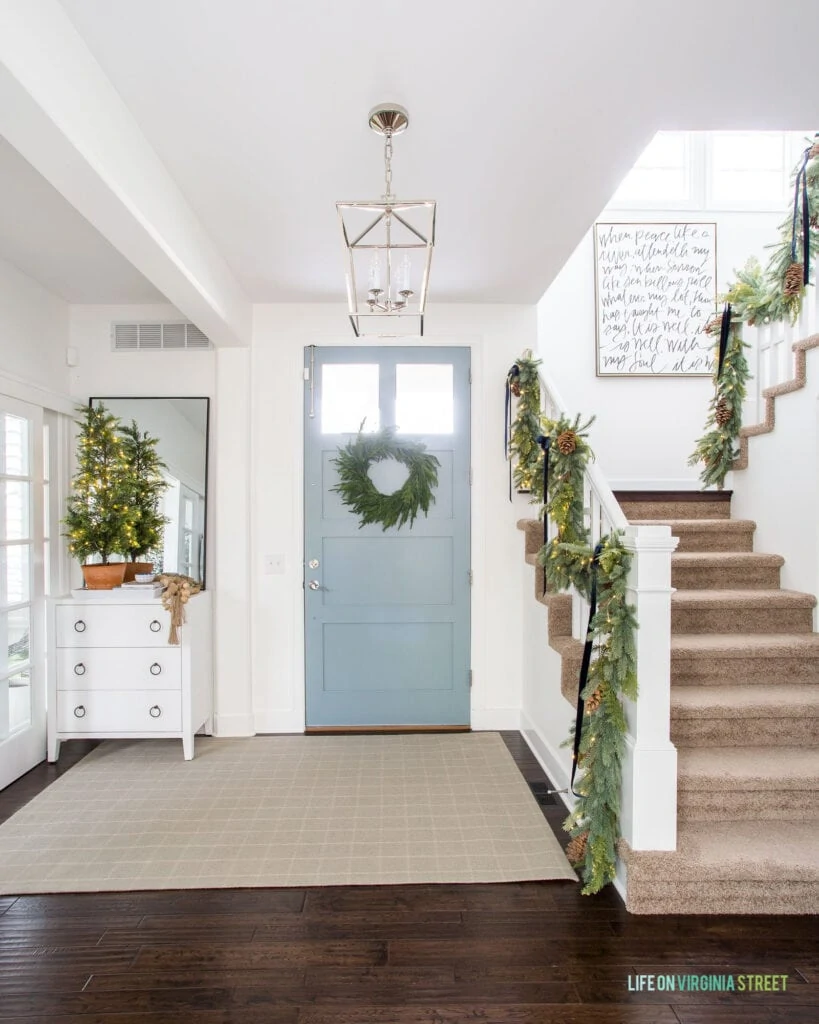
x=567 y=442
x=723 y=412
x=713 y=324
x=594 y=701
x=514 y=387
x=794 y=279
x=576 y=850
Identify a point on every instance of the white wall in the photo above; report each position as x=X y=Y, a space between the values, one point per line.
x=780 y=488
x=646 y=427
x=33 y=332
x=256 y=493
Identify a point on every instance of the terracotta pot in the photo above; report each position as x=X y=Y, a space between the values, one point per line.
x=103 y=577
x=132 y=568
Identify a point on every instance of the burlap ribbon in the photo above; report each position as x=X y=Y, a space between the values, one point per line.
x=177 y=591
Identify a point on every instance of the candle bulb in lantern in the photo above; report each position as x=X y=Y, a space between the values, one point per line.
x=406 y=271
x=375 y=272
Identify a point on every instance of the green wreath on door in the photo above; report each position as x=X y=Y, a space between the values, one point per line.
x=360 y=494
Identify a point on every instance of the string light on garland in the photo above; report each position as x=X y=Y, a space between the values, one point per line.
x=360 y=494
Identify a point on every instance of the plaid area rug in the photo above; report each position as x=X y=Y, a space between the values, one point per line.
x=282 y=811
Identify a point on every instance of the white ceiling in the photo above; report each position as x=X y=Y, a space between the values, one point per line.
x=45 y=237
x=524 y=118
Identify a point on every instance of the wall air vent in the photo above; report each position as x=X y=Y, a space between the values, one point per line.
x=156 y=337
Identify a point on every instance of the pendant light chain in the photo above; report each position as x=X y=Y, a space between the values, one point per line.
x=388 y=196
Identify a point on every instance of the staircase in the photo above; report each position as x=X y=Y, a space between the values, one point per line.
x=744 y=719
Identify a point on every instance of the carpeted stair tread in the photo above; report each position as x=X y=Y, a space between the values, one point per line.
x=717 y=599
x=750 y=851
x=725 y=559
x=748 y=768
x=787 y=700
x=700 y=525
x=710 y=646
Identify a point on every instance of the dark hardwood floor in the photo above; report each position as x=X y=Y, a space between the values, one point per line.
x=512 y=954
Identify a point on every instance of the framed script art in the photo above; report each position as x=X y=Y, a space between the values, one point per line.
x=655 y=288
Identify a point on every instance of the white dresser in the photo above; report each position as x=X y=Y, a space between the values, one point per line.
x=113 y=674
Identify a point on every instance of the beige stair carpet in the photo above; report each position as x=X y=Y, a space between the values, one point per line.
x=282 y=811
x=744 y=719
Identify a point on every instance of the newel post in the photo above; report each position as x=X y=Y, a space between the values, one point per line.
x=649 y=797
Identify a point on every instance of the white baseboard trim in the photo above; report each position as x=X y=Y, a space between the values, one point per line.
x=279 y=720
x=620 y=882
x=689 y=483
x=547 y=757
x=495 y=719
x=233 y=725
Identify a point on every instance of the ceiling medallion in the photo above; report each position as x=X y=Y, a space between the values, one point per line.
x=388 y=245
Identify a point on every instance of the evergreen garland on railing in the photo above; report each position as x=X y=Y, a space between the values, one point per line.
x=569 y=453
x=594 y=824
x=717 y=448
x=568 y=561
x=760 y=296
x=523 y=447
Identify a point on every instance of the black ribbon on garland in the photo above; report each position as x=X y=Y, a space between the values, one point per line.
x=585 y=664
x=724 y=334
x=545 y=443
x=801 y=191
x=514 y=372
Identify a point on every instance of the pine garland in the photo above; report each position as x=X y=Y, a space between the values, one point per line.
x=757 y=296
x=567 y=559
x=612 y=675
x=523 y=446
x=760 y=296
x=361 y=495
x=717 y=448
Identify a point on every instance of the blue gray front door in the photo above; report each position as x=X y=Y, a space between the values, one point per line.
x=387 y=611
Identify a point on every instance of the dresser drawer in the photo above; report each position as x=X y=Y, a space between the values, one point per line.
x=125 y=625
x=120 y=711
x=117 y=668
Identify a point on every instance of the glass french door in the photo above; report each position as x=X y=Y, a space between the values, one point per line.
x=22 y=590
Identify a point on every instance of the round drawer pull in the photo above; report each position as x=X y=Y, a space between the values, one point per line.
x=155 y=711
x=79 y=711
x=155 y=626
x=79 y=669
x=79 y=626
x=156 y=668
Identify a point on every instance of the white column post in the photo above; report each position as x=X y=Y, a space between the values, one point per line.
x=649 y=796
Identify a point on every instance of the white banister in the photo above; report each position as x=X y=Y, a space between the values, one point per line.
x=770 y=353
x=649 y=793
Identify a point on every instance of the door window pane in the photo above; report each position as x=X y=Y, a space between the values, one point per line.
x=13 y=445
x=15 y=519
x=15 y=562
x=19 y=700
x=424 y=398
x=349 y=395
x=16 y=624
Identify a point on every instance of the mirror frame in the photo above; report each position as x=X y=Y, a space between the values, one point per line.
x=175 y=398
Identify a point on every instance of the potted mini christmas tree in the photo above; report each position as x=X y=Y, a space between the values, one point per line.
x=99 y=518
x=148 y=484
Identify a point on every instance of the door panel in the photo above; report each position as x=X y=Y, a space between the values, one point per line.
x=22 y=598
x=387 y=634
